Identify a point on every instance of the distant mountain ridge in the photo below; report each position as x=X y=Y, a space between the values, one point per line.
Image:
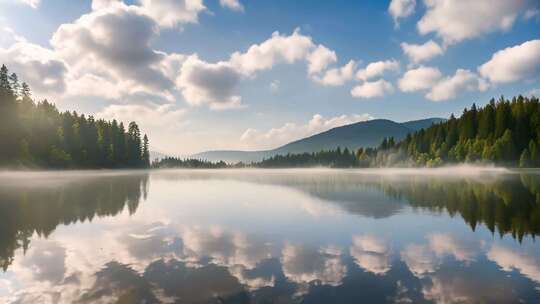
x=353 y=136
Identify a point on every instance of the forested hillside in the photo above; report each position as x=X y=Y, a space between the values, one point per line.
x=353 y=136
x=506 y=132
x=38 y=135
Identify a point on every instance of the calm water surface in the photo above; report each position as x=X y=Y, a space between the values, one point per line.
x=275 y=236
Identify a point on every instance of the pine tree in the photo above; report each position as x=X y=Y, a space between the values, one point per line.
x=5 y=87
x=25 y=90
x=134 y=145
x=14 y=83
x=146 y=152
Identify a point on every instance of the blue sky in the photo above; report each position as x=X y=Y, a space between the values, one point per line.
x=300 y=67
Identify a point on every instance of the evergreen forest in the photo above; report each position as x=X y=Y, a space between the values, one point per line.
x=38 y=135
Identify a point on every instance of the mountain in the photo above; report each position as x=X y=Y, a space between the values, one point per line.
x=361 y=134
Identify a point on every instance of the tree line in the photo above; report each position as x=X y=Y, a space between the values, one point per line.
x=333 y=158
x=37 y=134
x=507 y=206
x=188 y=163
x=30 y=210
x=504 y=132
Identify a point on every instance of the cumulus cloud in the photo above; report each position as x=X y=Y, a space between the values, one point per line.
x=166 y=13
x=426 y=258
x=277 y=49
x=170 y=13
x=215 y=83
x=209 y=83
x=377 y=69
x=401 y=9
x=514 y=63
x=101 y=4
x=420 y=78
x=234 y=5
x=39 y=67
x=371 y=254
x=256 y=139
x=458 y=20
x=225 y=248
x=449 y=87
x=445 y=244
x=114 y=43
x=303 y=265
x=8 y=37
x=372 y=89
x=320 y=59
x=108 y=53
x=337 y=76
x=420 y=259
x=508 y=259
x=421 y=52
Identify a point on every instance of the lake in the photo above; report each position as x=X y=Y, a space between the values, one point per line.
x=270 y=236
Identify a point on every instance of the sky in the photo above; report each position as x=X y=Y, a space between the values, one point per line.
x=202 y=75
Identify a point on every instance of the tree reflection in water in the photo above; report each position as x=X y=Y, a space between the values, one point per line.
x=163 y=259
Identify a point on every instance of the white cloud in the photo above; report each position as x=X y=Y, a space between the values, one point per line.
x=209 y=83
x=115 y=43
x=215 y=83
x=101 y=4
x=420 y=78
x=31 y=3
x=234 y=5
x=514 y=63
x=401 y=9
x=275 y=50
x=256 y=139
x=39 y=67
x=458 y=20
x=166 y=13
x=171 y=13
x=303 y=265
x=319 y=59
x=337 y=76
x=372 y=89
x=377 y=69
x=8 y=37
x=421 y=52
x=420 y=259
x=370 y=253
x=509 y=259
x=445 y=244
x=225 y=248
x=462 y=80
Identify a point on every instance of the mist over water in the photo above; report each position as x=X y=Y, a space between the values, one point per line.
x=250 y=235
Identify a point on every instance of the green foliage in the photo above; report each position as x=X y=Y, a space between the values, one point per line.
x=504 y=132
x=38 y=135
x=501 y=132
x=190 y=163
x=337 y=159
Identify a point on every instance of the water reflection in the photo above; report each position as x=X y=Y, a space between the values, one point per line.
x=37 y=203
x=271 y=237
